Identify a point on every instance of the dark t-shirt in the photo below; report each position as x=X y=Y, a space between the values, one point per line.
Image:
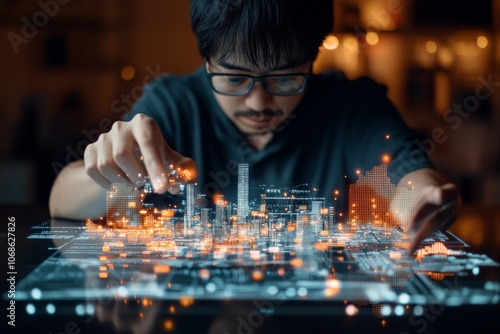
x=339 y=127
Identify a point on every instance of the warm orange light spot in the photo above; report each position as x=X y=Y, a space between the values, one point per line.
x=103 y=268
x=127 y=73
x=431 y=47
x=257 y=275
x=372 y=38
x=280 y=271
x=322 y=247
x=204 y=273
x=161 y=269
x=172 y=309
x=132 y=205
x=103 y=274
x=482 y=42
x=102 y=258
x=298 y=263
x=168 y=325
x=386 y=158
x=186 y=301
x=331 y=42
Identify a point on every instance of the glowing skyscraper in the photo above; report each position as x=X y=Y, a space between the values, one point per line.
x=242 y=192
x=188 y=218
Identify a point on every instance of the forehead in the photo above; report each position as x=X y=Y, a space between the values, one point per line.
x=238 y=64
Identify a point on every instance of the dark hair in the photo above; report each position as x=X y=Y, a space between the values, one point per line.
x=265 y=33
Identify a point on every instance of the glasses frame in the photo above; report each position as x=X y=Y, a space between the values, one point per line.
x=261 y=79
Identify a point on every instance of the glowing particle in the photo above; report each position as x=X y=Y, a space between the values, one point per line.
x=36 y=293
x=431 y=47
x=50 y=308
x=372 y=38
x=186 y=301
x=30 y=309
x=80 y=310
x=168 y=325
x=399 y=310
x=418 y=310
x=257 y=275
x=210 y=287
x=385 y=311
x=302 y=291
x=482 y=42
x=331 y=42
x=127 y=73
x=404 y=298
x=351 y=310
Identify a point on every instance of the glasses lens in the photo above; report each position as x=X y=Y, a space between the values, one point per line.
x=285 y=84
x=230 y=84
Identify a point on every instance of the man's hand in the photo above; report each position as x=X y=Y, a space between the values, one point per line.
x=437 y=209
x=436 y=204
x=112 y=158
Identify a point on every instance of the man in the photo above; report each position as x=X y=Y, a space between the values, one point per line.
x=255 y=100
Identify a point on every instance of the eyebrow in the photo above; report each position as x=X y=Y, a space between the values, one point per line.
x=229 y=66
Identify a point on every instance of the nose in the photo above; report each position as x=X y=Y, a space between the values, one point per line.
x=258 y=99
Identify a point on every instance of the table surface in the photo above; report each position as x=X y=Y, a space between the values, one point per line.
x=86 y=276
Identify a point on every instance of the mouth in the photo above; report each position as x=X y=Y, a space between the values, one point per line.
x=257 y=122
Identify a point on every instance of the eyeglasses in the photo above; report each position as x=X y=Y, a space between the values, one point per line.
x=241 y=84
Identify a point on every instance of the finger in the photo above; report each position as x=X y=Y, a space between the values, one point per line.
x=435 y=199
x=125 y=159
x=437 y=221
x=90 y=164
x=150 y=143
x=106 y=164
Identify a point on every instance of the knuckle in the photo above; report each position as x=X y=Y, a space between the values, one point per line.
x=120 y=153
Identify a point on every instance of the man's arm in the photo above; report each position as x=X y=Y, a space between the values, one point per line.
x=79 y=191
x=436 y=203
x=75 y=195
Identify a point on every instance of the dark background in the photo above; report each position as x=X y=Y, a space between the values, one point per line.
x=68 y=70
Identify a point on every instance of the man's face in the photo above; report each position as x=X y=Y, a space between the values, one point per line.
x=258 y=111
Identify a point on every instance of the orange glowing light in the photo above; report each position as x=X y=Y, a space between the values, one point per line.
x=387 y=136
x=172 y=309
x=127 y=73
x=103 y=274
x=105 y=248
x=102 y=258
x=332 y=287
x=186 y=301
x=386 y=158
x=161 y=269
x=331 y=42
x=257 y=275
x=103 y=268
x=322 y=247
x=280 y=272
x=204 y=273
x=168 y=325
x=297 y=263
